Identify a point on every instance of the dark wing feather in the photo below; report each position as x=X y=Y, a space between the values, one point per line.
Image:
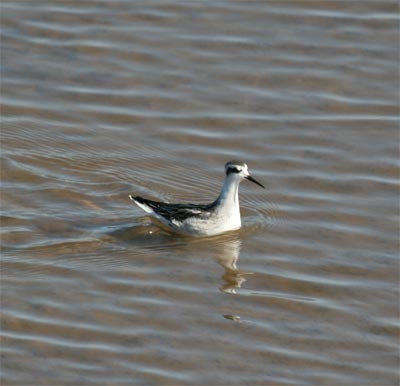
x=179 y=212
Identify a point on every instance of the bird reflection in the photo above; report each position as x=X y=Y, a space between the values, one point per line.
x=227 y=255
x=224 y=249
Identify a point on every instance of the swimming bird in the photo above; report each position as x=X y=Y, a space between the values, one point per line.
x=220 y=216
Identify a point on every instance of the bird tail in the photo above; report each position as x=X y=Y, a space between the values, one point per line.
x=141 y=203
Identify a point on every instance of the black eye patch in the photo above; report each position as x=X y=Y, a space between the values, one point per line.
x=232 y=169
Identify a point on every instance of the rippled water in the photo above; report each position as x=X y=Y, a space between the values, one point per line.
x=102 y=99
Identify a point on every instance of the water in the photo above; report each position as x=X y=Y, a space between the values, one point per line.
x=100 y=100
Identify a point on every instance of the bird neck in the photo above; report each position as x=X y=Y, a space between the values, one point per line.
x=229 y=195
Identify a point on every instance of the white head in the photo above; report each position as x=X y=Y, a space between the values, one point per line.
x=239 y=170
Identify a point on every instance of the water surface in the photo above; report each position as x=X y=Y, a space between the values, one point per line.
x=104 y=99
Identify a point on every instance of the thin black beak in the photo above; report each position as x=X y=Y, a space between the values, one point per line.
x=250 y=178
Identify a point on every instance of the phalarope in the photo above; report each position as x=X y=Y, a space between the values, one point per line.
x=220 y=216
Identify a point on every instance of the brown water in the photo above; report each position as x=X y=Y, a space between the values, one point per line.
x=102 y=99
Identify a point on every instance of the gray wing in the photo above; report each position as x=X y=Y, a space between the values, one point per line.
x=178 y=212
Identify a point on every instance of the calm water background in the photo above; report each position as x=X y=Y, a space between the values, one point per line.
x=102 y=99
